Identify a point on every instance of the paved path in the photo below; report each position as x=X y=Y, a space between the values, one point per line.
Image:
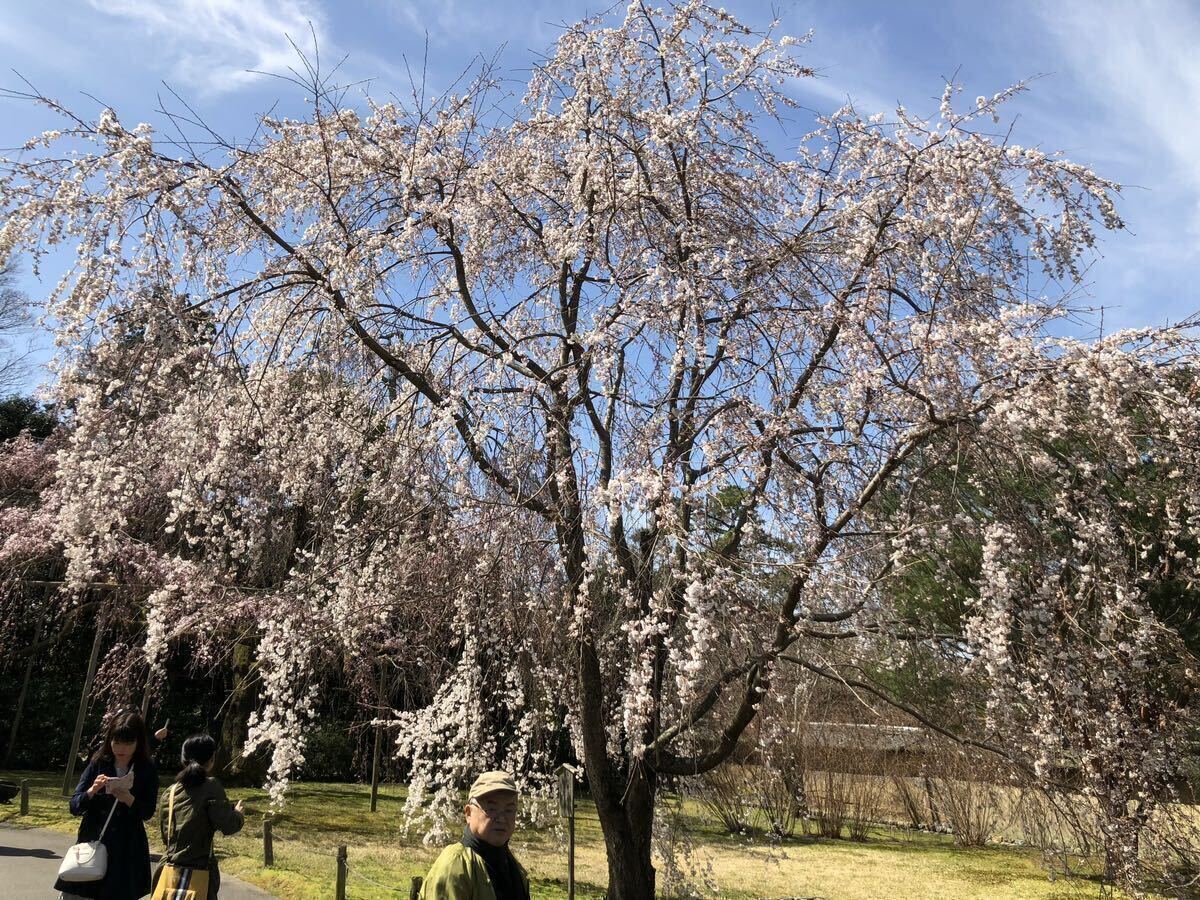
x=29 y=859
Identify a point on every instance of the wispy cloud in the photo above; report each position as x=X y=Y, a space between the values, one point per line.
x=530 y=24
x=1126 y=94
x=216 y=43
x=1137 y=64
x=851 y=66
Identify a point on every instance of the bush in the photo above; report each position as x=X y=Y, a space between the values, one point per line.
x=973 y=809
x=1059 y=826
x=828 y=802
x=865 y=805
x=1170 y=861
x=728 y=793
x=838 y=800
x=781 y=800
x=914 y=800
x=969 y=795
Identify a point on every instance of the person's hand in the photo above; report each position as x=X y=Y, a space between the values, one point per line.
x=123 y=795
x=97 y=786
x=161 y=734
x=237 y=807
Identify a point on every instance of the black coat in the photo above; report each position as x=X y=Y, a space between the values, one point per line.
x=128 y=873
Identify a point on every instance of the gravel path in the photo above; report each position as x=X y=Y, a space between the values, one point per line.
x=29 y=859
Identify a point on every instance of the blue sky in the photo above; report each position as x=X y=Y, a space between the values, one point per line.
x=1120 y=85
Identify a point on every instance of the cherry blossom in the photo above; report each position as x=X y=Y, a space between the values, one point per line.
x=424 y=381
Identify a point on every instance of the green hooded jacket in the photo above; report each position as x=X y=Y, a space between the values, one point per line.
x=199 y=814
x=459 y=874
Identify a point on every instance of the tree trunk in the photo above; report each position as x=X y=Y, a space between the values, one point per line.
x=1121 y=846
x=627 y=821
x=84 y=695
x=624 y=793
x=241 y=703
x=16 y=722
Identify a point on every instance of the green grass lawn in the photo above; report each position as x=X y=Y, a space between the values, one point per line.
x=319 y=817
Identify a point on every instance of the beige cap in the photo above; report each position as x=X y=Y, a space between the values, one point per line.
x=492 y=781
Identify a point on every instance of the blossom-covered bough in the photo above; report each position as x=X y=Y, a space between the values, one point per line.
x=1076 y=495
x=425 y=377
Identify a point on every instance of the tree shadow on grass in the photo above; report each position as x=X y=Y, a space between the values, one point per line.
x=553 y=887
x=324 y=809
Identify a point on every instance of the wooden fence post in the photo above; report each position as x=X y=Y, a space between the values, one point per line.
x=566 y=809
x=341 y=873
x=414 y=890
x=24 y=796
x=571 y=856
x=268 y=843
x=382 y=705
x=69 y=777
x=375 y=770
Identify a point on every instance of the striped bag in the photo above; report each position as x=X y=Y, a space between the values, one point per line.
x=178 y=882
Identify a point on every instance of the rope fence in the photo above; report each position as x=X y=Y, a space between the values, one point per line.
x=344 y=869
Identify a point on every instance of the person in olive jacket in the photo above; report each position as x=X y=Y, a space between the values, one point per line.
x=201 y=810
x=481 y=866
x=121 y=772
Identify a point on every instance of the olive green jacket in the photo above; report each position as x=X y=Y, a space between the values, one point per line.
x=199 y=814
x=459 y=874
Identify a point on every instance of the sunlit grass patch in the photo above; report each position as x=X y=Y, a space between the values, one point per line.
x=383 y=858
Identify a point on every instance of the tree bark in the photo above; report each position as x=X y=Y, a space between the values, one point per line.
x=627 y=821
x=240 y=704
x=624 y=793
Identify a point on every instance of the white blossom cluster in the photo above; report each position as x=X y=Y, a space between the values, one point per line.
x=1080 y=491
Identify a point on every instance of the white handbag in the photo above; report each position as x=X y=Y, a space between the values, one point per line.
x=87 y=861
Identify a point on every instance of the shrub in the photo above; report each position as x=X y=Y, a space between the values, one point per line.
x=864 y=806
x=914 y=802
x=828 y=802
x=969 y=795
x=328 y=754
x=728 y=792
x=781 y=800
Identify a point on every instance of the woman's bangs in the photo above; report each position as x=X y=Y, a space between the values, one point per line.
x=125 y=734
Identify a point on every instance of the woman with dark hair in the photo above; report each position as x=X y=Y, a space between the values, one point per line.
x=192 y=811
x=120 y=773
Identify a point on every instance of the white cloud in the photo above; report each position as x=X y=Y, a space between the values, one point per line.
x=216 y=43
x=1137 y=63
x=530 y=23
x=1127 y=95
x=851 y=63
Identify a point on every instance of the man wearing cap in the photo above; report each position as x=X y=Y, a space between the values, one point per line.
x=480 y=866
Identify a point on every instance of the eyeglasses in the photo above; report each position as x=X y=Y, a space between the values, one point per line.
x=495 y=812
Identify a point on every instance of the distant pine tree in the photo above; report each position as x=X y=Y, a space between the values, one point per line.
x=19 y=414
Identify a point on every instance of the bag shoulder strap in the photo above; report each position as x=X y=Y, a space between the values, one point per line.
x=171 y=817
x=112 y=809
